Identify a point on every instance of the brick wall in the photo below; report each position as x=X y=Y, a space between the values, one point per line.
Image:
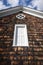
x=32 y=55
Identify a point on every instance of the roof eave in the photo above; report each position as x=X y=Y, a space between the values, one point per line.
x=23 y=9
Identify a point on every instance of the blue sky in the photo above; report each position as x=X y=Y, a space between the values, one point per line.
x=35 y=4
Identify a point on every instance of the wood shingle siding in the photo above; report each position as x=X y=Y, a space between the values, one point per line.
x=32 y=55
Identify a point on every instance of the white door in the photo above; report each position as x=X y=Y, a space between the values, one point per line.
x=20 y=35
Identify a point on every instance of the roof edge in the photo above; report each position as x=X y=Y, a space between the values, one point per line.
x=33 y=12
x=23 y=9
x=10 y=11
